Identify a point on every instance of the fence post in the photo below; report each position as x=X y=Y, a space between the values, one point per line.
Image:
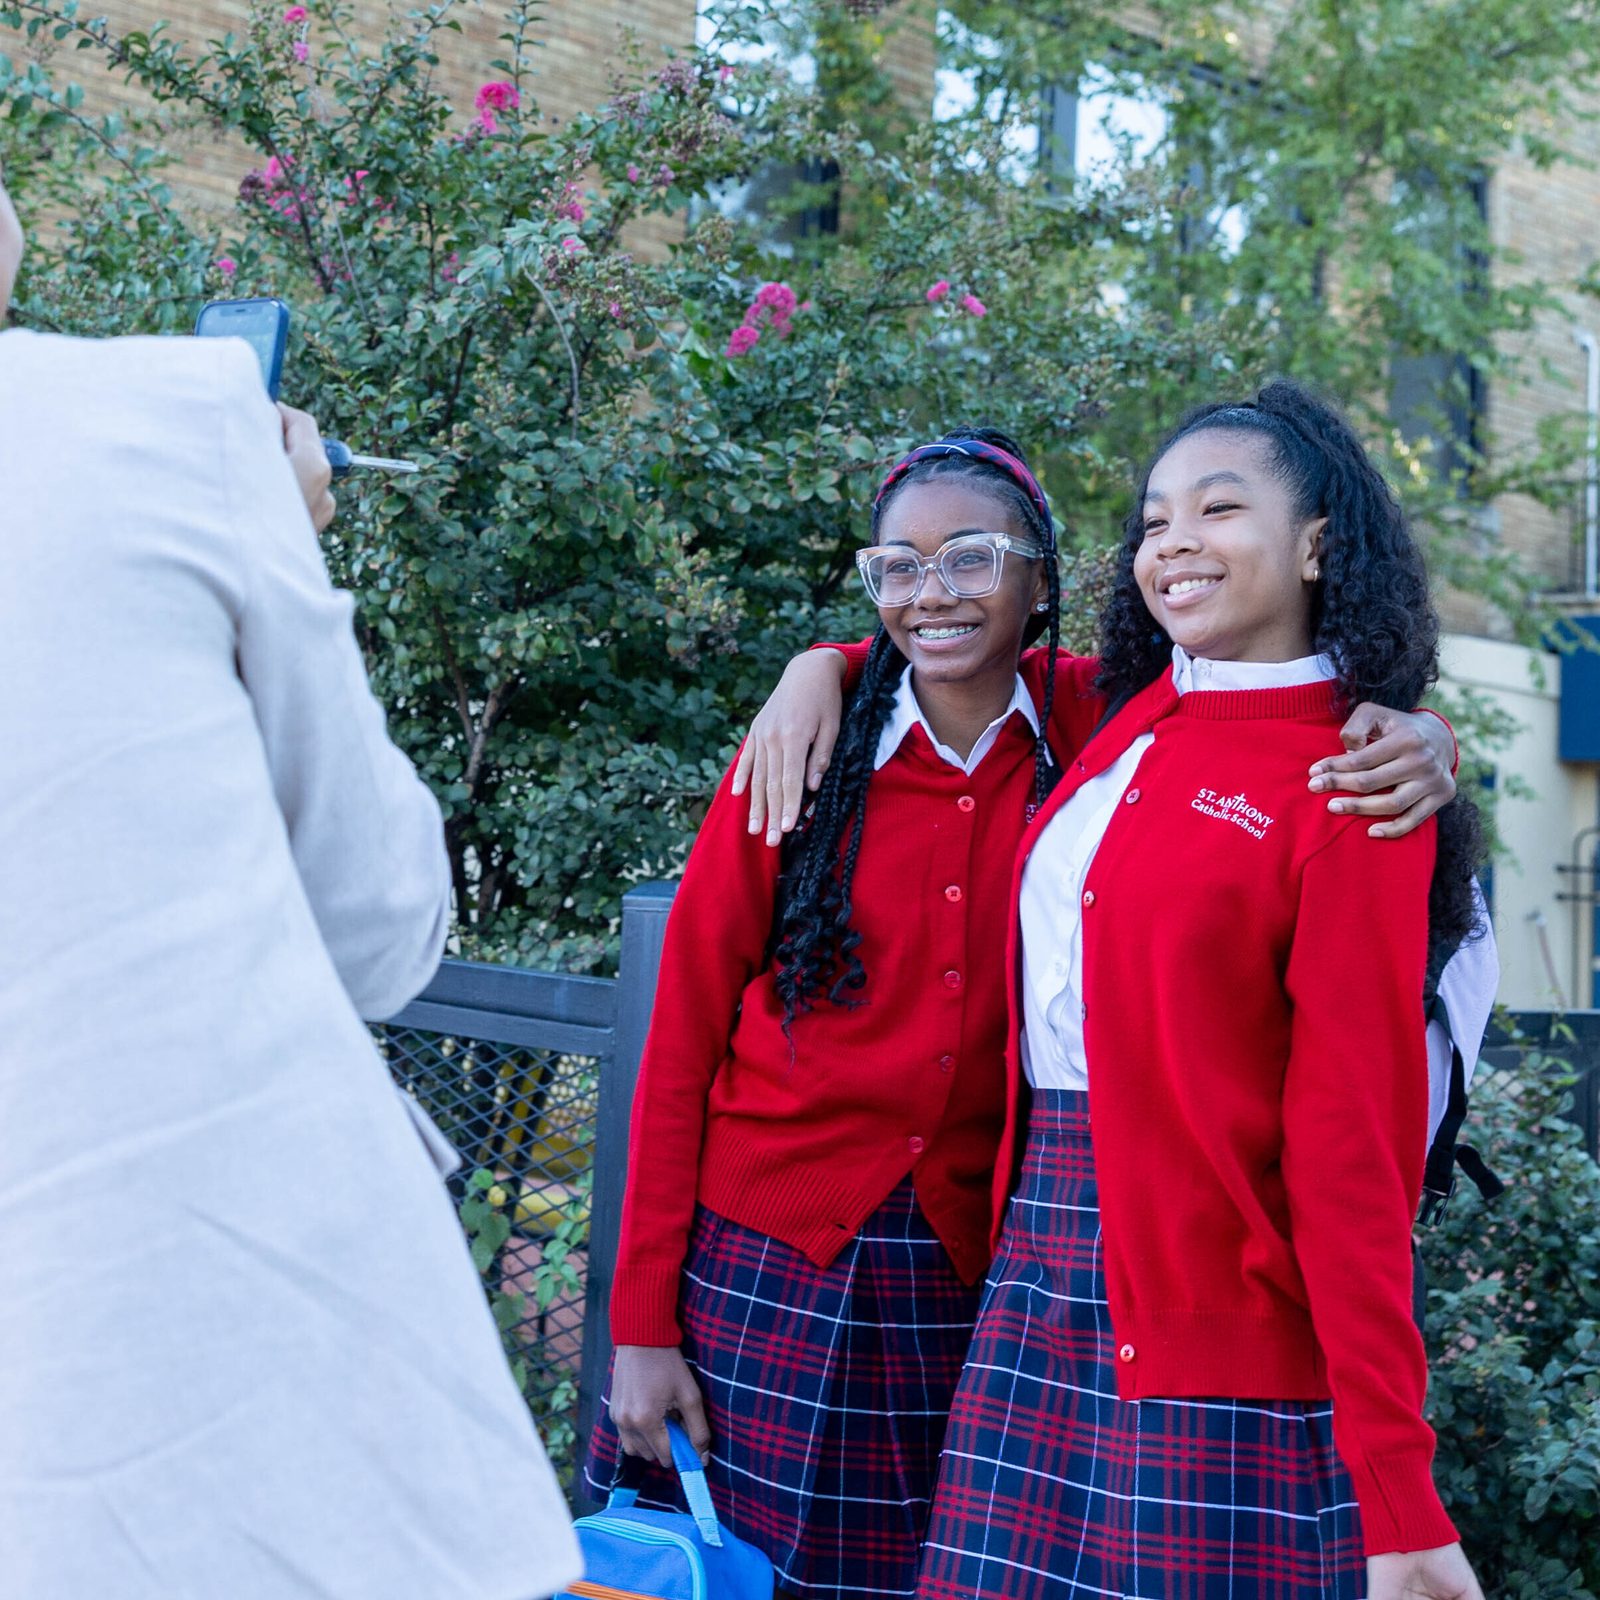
x=644 y=925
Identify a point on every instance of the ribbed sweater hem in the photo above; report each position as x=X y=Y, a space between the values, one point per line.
x=1189 y=1354
x=791 y=1201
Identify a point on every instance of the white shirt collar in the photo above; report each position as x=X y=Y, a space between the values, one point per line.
x=1195 y=672
x=906 y=714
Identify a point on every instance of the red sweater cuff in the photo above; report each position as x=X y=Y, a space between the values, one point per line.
x=644 y=1306
x=1400 y=1507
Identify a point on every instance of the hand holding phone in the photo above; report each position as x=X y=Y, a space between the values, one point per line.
x=264 y=326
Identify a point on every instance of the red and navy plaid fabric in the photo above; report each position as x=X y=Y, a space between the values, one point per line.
x=1052 y=1488
x=827 y=1389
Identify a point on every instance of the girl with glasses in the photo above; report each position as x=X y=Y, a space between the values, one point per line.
x=822 y=1096
x=822 y=1091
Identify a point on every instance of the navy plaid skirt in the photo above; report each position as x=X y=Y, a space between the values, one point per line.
x=827 y=1390
x=1052 y=1488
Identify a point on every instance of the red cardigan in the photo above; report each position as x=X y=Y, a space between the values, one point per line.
x=912 y=1080
x=1253 y=970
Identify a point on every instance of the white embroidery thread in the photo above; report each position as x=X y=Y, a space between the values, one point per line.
x=1233 y=808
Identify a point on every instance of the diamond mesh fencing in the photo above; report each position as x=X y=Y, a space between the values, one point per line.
x=523 y=1121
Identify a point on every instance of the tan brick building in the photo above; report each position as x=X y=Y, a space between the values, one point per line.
x=1548 y=217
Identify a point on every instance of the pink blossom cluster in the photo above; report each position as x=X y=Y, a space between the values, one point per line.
x=294 y=16
x=497 y=95
x=297 y=17
x=226 y=265
x=773 y=307
x=571 y=207
x=969 y=302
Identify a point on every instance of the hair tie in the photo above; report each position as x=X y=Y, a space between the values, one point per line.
x=977 y=450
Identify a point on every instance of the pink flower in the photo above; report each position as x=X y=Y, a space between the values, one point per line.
x=573 y=246
x=725 y=73
x=743 y=340
x=805 y=305
x=486 y=122
x=301 y=51
x=226 y=265
x=615 y=309
x=294 y=16
x=973 y=306
x=633 y=173
x=778 y=299
x=451 y=266
x=497 y=96
x=938 y=291
x=571 y=208
x=665 y=176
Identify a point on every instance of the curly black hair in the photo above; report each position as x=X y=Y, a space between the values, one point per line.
x=1370 y=613
x=815 y=947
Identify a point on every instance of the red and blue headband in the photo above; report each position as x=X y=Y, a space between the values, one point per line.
x=977 y=450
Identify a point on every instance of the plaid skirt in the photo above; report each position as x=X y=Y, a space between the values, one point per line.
x=1052 y=1488
x=827 y=1390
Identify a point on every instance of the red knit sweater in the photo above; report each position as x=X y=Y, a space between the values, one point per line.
x=912 y=1080
x=1253 y=971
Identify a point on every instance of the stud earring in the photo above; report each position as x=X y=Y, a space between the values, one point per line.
x=1316 y=574
x=1043 y=605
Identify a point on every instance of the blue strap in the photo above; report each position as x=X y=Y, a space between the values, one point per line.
x=692 y=1475
x=623 y=1497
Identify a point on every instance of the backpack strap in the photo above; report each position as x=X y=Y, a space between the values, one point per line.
x=1444 y=1154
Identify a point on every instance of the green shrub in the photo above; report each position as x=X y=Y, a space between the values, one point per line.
x=1514 y=1343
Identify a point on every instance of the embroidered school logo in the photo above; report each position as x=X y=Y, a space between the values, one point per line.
x=1234 y=808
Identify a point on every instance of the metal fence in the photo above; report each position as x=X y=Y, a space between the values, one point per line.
x=531 y=1076
x=1570 y=1040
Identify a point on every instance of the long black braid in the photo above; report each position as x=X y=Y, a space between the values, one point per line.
x=816 y=948
x=1371 y=612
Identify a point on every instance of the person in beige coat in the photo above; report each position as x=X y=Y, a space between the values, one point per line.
x=244 y=1354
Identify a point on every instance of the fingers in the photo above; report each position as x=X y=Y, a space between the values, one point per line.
x=758 y=783
x=741 y=767
x=793 y=787
x=822 y=746
x=692 y=1412
x=777 y=761
x=302 y=442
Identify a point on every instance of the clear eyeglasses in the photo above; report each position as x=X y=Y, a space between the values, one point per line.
x=968 y=567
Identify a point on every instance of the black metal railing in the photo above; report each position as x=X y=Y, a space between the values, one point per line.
x=530 y=1076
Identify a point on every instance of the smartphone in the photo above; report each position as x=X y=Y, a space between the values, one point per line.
x=262 y=324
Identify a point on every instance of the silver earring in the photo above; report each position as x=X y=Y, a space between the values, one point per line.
x=1043 y=605
x=1316 y=574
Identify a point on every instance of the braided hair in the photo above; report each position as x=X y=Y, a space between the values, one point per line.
x=815 y=947
x=1370 y=612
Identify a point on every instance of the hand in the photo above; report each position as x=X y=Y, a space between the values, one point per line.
x=302 y=442
x=1441 y=1574
x=791 y=741
x=1399 y=760
x=648 y=1385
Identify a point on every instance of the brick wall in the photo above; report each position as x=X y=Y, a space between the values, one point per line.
x=581 y=47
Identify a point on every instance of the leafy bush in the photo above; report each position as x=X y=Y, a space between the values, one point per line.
x=642 y=479
x=1514 y=1342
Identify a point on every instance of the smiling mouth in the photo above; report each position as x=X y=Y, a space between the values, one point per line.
x=1189 y=586
x=944 y=630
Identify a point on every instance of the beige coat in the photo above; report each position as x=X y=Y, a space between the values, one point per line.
x=243 y=1352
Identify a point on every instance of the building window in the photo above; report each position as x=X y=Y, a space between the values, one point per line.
x=785 y=202
x=1436 y=395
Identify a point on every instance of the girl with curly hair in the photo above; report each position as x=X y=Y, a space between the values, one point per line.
x=1196 y=1371
x=823 y=1093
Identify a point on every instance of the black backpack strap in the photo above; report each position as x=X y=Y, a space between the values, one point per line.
x=1444 y=1155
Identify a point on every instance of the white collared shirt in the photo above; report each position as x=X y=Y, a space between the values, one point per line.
x=906 y=714
x=1052 y=882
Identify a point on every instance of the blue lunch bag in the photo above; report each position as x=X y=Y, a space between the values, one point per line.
x=633 y=1554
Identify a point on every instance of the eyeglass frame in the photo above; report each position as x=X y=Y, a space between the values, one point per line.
x=1003 y=544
